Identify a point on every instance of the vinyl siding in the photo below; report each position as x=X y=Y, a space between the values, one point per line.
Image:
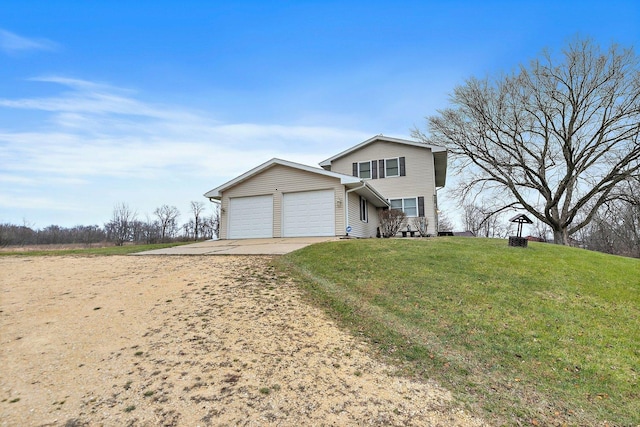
x=281 y=179
x=358 y=227
x=419 y=179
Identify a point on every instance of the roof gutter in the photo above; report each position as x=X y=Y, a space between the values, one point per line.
x=346 y=204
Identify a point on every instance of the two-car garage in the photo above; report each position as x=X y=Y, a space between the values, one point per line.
x=286 y=199
x=303 y=213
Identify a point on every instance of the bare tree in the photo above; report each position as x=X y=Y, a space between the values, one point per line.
x=11 y=234
x=555 y=138
x=197 y=209
x=187 y=230
x=210 y=226
x=483 y=221
x=119 y=228
x=473 y=218
x=444 y=222
x=87 y=234
x=151 y=230
x=215 y=221
x=540 y=231
x=167 y=220
x=615 y=228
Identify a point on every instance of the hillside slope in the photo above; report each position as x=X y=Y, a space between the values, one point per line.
x=545 y=335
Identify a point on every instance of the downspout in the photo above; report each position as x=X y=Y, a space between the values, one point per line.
x=436 y=212
x=346 y=203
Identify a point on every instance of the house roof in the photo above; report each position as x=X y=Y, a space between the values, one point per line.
x=439 y=155
x=351 y=182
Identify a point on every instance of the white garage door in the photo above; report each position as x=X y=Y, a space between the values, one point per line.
x=251 y=217
x=308 y=213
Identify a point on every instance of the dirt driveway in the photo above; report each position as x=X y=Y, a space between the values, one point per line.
x=195 y=340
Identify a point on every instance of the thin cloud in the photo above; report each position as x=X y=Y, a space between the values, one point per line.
x=95 y=130
x=17 y=201
x=90 y=145
x=11 y=43
x=90 y=98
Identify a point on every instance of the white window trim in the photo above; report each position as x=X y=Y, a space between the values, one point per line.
x=385 y=168
x=370 y=169
x=364 y=209
x=403 y=199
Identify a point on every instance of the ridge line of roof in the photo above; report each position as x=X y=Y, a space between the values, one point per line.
x=344 y=179
x=434 y=148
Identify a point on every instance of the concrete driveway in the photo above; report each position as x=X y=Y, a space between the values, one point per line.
x=275 y=246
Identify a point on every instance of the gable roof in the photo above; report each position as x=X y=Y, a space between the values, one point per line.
x=348 y=181
x=439 y=155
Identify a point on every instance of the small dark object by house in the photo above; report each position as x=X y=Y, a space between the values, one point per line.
x=519 y=241
x=408 y=230
x=464 y=233
x=445 y=233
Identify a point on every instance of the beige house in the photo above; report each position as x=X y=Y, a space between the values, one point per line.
x=280 y=198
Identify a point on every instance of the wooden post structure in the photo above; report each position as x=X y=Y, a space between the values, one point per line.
x=519 y=241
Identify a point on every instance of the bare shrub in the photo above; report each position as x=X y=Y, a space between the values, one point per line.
x=421 y=224
x=391 y=220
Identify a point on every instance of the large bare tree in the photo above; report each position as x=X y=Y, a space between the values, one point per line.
x=556 y=137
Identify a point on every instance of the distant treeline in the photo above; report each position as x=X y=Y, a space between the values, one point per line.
x=124 y=226
x=11 y=234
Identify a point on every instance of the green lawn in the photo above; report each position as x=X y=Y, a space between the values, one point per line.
x=544 y=335
x=109 y=250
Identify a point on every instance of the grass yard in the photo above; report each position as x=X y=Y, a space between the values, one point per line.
x=544 y=335
x=107 y=250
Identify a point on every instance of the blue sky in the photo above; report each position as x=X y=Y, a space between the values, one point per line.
x=156 y=102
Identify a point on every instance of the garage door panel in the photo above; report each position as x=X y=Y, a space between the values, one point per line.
x=251 y=217
x=309 y=213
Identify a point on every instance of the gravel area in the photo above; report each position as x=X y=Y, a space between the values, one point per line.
x=189 y=341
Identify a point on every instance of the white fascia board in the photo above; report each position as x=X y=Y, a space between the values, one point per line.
x=370 y=193
x=216 y=193
x=344 y=179
x=434 y=148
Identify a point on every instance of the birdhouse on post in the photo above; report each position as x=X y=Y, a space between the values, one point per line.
x=518 y=240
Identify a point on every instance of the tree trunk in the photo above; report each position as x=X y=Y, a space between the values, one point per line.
x=561 y=237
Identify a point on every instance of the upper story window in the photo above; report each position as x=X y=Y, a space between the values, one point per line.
x=364 y=170
x=383 y=168
x=392 y=167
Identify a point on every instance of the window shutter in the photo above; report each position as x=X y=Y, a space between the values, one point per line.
x=403 y=171
x=355 y=169
x=374 y=170
x=381 y=162
x=420 y=206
